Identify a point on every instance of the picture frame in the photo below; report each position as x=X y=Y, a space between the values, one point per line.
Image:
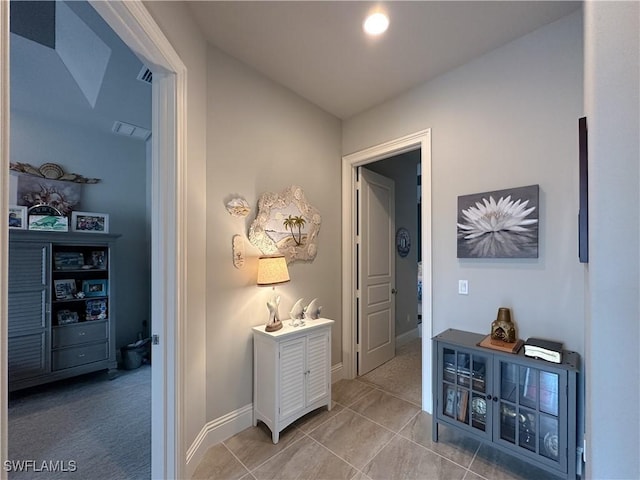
x=48 y=223
x=286 y=224
x=96 y=309
x=68 y=260
x=450 y=401
x=17 y=217
x=583 y=212
x=89 y=222
x=66 y=317
x=95 y=288
x=463 y=402
x=65 y=288
x=499 y=223
x=99 y=259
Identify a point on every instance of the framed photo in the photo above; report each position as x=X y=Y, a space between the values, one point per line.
x=48 y=223
x=95 y=288
x=96 y=309
x=68 y=260
x=463 y=402
x=89 y=222
x=65 y=289
x=18 y=217
x=450 y=401
x=99 y=259
x=66 y=317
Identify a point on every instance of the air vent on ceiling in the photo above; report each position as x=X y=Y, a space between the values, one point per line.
x=145 y=75
x=128 y=130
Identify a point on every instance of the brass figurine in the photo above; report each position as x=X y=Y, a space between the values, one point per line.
x=502 y=328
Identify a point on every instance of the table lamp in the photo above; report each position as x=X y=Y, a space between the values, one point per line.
x=272 y=270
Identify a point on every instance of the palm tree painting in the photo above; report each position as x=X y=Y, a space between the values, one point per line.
x=287 y=224
x=296 y=222
x=499 y=224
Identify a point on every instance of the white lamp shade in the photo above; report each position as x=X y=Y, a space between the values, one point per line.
x=272 y=270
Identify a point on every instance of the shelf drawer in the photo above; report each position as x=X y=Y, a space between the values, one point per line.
x=75 y=334
x=72 y=357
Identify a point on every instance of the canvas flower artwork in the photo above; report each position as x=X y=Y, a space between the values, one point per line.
x=499 y=224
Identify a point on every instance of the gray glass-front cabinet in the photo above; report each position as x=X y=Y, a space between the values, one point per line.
x=524 y=406
x=61 y=320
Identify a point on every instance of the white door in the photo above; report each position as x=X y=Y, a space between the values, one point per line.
x=376 y=270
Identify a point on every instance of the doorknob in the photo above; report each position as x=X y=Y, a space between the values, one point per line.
x=394 y=291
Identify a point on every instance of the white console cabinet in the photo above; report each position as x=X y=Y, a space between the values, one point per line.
x=291 y=372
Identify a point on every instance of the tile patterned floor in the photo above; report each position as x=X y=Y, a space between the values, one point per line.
x=374 y=431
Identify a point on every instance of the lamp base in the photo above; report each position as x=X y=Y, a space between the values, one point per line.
x=272 y=327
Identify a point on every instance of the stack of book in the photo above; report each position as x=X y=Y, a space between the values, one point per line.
x=544 y=349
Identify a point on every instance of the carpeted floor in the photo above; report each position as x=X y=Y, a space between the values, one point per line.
x=89 y=427
x=402 y=375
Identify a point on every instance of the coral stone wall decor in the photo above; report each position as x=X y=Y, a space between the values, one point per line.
x=286 y=224
x=49 y=185
x=499 y=224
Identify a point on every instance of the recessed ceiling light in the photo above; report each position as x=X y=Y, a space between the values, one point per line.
x=376 y=23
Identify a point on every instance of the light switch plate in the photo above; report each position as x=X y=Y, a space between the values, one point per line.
x=463 y=287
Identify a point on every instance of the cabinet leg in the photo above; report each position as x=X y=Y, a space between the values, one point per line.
x=275 y=436
x=434 y=431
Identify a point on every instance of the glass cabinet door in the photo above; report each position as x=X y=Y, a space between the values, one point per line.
x=464 y=388
x=529 y=405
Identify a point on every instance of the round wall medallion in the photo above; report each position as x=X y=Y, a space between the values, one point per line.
x=403 y=242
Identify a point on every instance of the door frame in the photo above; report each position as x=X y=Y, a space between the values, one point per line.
x=136 y=27
x=419 y=140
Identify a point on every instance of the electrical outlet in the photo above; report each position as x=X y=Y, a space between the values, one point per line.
x=463 y=287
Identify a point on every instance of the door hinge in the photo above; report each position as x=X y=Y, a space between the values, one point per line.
x=155 y=339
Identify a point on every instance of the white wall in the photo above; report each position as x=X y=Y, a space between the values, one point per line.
x=119 y=163
x=183 y=34
x=612 y=102
x=262 y=138
x=507 y=119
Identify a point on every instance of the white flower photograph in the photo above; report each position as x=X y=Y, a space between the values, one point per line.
x=499 y=224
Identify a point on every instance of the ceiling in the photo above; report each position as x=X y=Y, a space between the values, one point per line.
x=318 y=49
x=65 y=86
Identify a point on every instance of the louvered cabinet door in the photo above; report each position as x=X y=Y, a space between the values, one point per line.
x=27 y=313
x=317 y=372
x=292 y=377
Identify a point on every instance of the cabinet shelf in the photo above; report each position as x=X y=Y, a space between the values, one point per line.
x=523 y=406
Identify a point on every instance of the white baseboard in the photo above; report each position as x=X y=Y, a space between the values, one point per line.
x=217 y=431
x=336 y=373
x=227 y=426
x=407 y=337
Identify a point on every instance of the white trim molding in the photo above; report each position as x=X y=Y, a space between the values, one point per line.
x=420 y=140
x=217 y=431
x=336 y=373
x=136 y=27
x=4 y=232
